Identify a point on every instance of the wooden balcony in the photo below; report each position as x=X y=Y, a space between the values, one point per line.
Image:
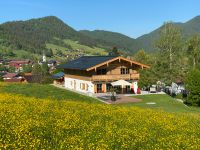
x=133 y=76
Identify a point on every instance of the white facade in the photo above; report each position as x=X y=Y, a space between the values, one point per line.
x=79 y=85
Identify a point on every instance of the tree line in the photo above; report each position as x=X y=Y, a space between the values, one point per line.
x=177 y=59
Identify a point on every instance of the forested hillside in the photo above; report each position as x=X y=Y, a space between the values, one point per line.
x=112 y=38
x=34 y=35
x=147 y=41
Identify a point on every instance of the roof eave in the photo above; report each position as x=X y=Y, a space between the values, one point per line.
x=116 y=58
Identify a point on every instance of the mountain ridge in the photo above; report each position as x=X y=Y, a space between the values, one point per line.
x=33 y=34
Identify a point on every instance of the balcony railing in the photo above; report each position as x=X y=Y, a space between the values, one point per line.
x=115 y=77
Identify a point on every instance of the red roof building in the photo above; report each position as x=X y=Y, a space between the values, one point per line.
x=18 y=63
x=9 y=76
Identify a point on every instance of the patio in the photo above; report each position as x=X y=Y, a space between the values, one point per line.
x=120 y=98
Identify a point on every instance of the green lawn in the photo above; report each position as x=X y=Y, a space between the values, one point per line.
x=45 y=91
x=163 y=102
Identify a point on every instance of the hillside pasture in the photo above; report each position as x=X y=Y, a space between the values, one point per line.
x=32 y=123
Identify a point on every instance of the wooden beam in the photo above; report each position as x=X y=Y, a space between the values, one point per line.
x=118 y=58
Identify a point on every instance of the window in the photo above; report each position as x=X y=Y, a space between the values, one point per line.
x=86 y=87
x=108 y=87
x=124 y=70
x=101 y=71
x=83 y=86
x=99 y=88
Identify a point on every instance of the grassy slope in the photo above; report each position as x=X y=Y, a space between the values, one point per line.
x=163 y=102
x=76 y=45
x=22 y=54
x=30 y=123
x=45 y=91
x=87 y=50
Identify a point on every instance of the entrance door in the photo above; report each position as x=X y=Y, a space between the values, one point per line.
x=127 y=90
x=99 y=88
x=108 y=87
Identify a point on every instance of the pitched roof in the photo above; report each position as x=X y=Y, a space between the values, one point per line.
x=91 y=62
x=85 y=62
x=10 y=75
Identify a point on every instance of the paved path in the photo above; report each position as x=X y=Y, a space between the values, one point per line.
x=120 y=99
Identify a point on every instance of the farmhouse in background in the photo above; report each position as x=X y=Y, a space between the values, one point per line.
x=18 y=64
x=94 y=74
x=13 y=77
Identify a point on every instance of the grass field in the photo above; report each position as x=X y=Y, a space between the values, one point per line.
x=44 y=91
x=37 y=116
x=163 y=102
x=30 y=123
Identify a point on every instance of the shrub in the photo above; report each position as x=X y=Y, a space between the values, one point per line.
x=193 y=85
x=47 y=79
x=179 y=96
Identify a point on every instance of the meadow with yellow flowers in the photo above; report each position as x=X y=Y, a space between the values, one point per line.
x=45 y=123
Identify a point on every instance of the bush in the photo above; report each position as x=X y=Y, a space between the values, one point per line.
x=1 y=79
x=193 y=85
x=179 y=96
x=47 y=79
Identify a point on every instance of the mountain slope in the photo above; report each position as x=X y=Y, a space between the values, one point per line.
x=188 y=28
x=32 y=35
x=112 y=39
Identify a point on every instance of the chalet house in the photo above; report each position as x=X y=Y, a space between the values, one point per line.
x=13 y=77
x=94 y=74
x=18 y=64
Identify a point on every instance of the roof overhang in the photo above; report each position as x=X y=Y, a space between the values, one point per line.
x=118 y=58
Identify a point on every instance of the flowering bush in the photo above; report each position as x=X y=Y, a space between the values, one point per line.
x=30 y=123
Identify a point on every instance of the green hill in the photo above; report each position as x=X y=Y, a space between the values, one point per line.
x=188 y=28
x=109 y=39
x=33 y=37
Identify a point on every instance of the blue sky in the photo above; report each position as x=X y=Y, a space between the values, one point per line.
x=131 y=17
